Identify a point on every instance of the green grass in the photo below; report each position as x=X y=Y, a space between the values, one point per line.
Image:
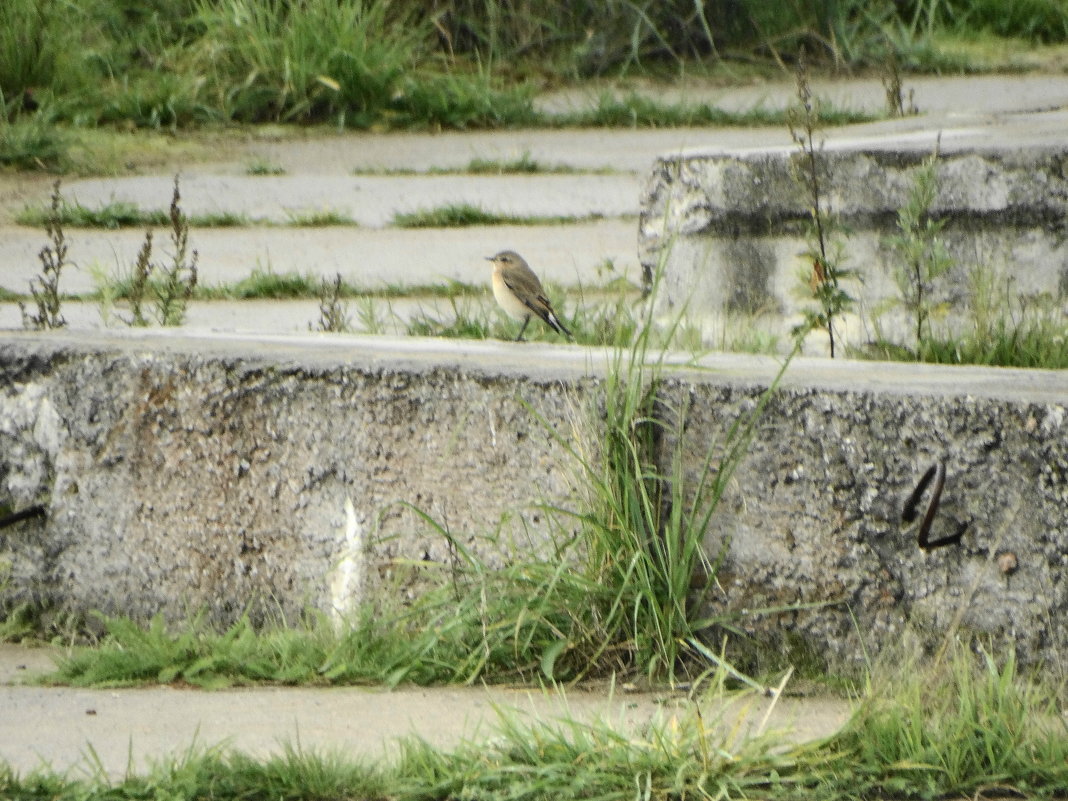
x=968 y=727
x=116 y=214
x=639 y=111
x=459 y=215
x=953 y=730
x=319 y=219
x=1035 y=21
x=524 y=164
x=521 y=165
x=34 y=143
x=1004 y=328
x=998 y=327
x=122 y=214
x=390 y=65
x=263 y=167
x=464 y=320
x=266 y=284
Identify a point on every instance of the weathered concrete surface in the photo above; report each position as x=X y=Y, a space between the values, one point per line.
x=216 y=475
x=183 y=473
x=729 y=226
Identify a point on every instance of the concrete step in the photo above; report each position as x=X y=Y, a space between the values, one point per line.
x=263 y=473
x=568 y=255
x=729 y=226
x=127 y=731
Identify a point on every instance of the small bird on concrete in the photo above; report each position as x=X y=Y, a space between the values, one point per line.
x=519 y=292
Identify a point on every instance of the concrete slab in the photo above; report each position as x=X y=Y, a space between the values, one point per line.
x=390 y=315
x=596 y=149
x=729 y=227
x=374 y=258
x=933 y=95
x=125 y=731
x=370 y=200
x=253 y=473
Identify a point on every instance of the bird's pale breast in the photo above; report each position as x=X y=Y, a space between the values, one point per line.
x=507 y=299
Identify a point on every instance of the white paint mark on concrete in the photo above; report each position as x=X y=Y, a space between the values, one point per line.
x=346 y=581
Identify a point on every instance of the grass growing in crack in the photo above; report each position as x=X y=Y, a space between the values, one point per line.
x=260 y=166
x=464 y=320
x=826 y=251
x=639 y=111
x=319 y=219
x=459 y=215
x=619 y=597
x=646 y=517
x=999 y=326
x=524 y=164
x=266 y=284
x=117 y=214
x=973 y=727
x=45 y=287
x=122 y=214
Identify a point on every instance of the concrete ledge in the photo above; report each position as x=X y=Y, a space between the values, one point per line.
x=233 y=474
x=729 y=225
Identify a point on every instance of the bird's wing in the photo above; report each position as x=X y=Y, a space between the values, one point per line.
x=530 y=293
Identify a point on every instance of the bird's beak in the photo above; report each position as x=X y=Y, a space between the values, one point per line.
x=489 y=258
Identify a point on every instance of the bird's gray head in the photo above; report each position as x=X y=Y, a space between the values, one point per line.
x=506 y=257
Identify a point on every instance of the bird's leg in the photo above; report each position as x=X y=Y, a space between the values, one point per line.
x=526 y=321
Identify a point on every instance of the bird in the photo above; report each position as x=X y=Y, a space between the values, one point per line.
x=519 y=292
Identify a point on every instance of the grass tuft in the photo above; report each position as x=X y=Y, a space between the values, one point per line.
x=263 y=167
x=122 y=214
x=640 y=111
x=117 y=214
x=269 y=285
x=319 y=219
x=461 y=215
x=524 y=164
x=955 y=729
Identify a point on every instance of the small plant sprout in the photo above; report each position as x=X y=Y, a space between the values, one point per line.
x=45 y=287
x=825 y=252
x=333 y=312
x=921 y=254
